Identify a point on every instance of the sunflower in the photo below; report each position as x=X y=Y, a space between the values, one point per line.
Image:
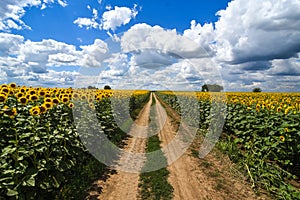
x=34 y=97
x=71 y=105
x=5 y=90
x=55 y=101
x=92 y=106
x=279 y=109
x=12 y=85
x=48 y=99
x=19 y=95
x=75 y=95
x=23 y=100
x=287 y=110
x=10 y=112
x=34 y=111
x=282 y=138
x=83 y=97
x=23 y=90
x=32 y=92
x=65 y=99
x=42 y=93
x=2 y=98
x=43 y=108
x=48 y=105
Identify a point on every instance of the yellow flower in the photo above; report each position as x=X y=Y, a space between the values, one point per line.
x=71 y=105
x=279 y=109
x=43 y=108
x=12 y=113
x=48 y=105
x=287 y=110
x=32 y=92
x=286 y=130
x=65 y=99
x=34 y=111
x=34 y=97
x=282 y=138
x=2 y=98
x=5 y=90
x=13 y=85
x=19 y=95
x=8 y=111
x=23 y=100
x=55 y=101
x=42 y=93
x=48 y=99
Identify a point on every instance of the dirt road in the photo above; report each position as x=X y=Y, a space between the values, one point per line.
x=192 y=181
x=124 y=183
x=191 y=178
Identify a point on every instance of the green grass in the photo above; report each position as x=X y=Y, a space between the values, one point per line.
x=154 y=184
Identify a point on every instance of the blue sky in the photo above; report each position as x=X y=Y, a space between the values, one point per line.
x=144 y=44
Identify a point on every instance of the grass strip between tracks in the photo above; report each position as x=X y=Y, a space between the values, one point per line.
x=154 y=184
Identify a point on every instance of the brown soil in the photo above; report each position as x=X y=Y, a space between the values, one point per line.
x=191 y=177
x=123 y=184
x=194 y=178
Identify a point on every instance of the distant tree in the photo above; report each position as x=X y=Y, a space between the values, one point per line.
x=107 y=87
x=256 y=90
x=91 y=87
x=212 y=88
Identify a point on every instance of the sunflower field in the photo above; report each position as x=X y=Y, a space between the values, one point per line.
x=261 y=133
x=42 y=154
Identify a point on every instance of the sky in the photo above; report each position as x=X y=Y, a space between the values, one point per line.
x=143 y=44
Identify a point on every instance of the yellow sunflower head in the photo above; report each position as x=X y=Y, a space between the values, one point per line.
x=5 y=90
x=55 y=101
x=48 y=105
x=23 y=100
x=71 y=105
x=48 y=99
x=65 y=99
x=43 y=108
x=3 y=98
x=12 y=85
x=19 y=95
x=34 y=111
x=34 y=97
x=282 y=138
x=42 y=93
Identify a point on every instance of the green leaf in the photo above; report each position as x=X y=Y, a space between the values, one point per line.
x=31 y=181
x=11 y=192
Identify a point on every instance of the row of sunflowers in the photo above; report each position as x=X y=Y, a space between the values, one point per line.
x=42 y=153
x=261 y=132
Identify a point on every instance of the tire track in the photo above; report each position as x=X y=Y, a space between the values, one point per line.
x=123 y=185
x=189 y=180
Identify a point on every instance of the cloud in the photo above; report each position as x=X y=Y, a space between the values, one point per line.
x=29 y=62
x=203 y=35
x=257 y=30
x=12 y=11
x=152 y=58
x=143 y=36
x=285 y=67
x=110 y=20
x=10 y=43
x=95 y=54
x=88 y=22
x=39 y=52
x=117 y=17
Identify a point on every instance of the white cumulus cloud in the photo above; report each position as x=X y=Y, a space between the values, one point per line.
x=258 y=30
x=117 y=17
x=12 y=11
